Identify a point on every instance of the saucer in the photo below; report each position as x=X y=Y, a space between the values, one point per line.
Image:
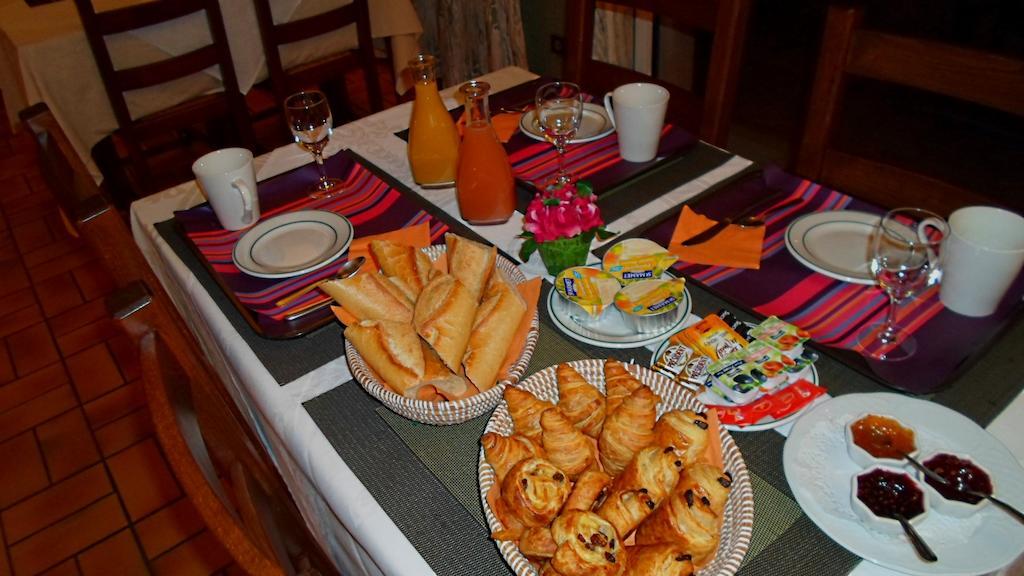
x=610 y=331
x=292 y=244
x=594 y=125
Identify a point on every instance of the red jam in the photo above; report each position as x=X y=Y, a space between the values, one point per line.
x=961 y=474
x=883 y=437
x=887 y=494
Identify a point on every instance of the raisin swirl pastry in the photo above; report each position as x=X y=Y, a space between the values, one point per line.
x=709 y=483
x=587 y=546
x=683 y=519
x=504 y=452
x=582 y=404
x=686 y=430
x=532 y=494
x=659 y=560
x=627 y=430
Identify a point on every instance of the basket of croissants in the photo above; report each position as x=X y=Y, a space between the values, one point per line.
x=437 y=344
x=596 y=468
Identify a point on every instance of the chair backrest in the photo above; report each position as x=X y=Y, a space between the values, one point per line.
x=848 y=50
x=705 y=109
x=324 y=69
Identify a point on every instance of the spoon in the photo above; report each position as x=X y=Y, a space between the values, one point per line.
x=347 y=269
x=931 y=474
x=920 y=546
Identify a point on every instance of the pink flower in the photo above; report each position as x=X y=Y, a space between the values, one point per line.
x=561 y=213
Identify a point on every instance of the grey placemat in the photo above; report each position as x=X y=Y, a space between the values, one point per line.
x=286 y=360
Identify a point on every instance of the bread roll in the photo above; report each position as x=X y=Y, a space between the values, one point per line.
x=437 y=376
x=444 y=318
x=407 y=267
x=370 y=296
x=494 y=326
x=391 y=349
x=471 y=262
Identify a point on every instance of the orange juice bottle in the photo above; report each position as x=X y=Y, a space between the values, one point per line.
x=484 y=185
x=433 y=140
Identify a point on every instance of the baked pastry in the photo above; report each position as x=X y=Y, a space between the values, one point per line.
x=494 y=326
x=589 y=489
x=406 y=266
x=686 y=431
x=504 y=452
x=438 y=378
x=628 y=429
x=581 y=403
x=471 y=262
x=659 y=560
x=444 y=317
x=626 y=509
x=537 y=543
x=587 y=546
x=709 y=483
x=618 y=384
x=370 y=296
x=392 y=350
x=566 y=447
x=654 y=469
x=685 y=520
x=525 y=410
x=532 y=493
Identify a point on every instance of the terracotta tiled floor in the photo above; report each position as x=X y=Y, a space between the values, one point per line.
x=84 y=487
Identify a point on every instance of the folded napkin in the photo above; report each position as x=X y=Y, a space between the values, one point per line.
x=505 y=125
x=734 y=247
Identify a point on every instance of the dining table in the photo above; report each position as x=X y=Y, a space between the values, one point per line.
x=383 y=494
x=45 y=57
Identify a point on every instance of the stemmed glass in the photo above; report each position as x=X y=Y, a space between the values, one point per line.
x=904 y=260
x=559 y=112
x=309 y=118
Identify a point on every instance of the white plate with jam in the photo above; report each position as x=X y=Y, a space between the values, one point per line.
x=818 y=469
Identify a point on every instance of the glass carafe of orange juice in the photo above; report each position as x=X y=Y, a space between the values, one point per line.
x=433 y=140
x=484 y=186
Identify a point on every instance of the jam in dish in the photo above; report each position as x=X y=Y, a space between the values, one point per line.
x=883 y=437
x=888 y=493
x=961 y=474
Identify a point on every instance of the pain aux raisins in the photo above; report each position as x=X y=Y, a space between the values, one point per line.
x=701 y=424
x=725 y=482
x=689 y=498
x=683 y=557
x=609 y=557
x=598 y=539
x=559 y=476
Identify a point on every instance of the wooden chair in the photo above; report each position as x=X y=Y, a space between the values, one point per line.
x=705 y=110
x=327 y=72
x=142 y=138
x=847 y=51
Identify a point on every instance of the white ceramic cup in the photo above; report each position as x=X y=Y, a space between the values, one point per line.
x=638 y=112
x=228 y=180
x=982 y=254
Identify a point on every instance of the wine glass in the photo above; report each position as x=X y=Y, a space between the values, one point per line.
x=559 y=112
x=309 y=118
x=904 y=260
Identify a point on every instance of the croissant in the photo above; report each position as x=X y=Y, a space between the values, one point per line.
x=659 y=560
x=626 y=509
x=504 y=452
x=590 y=487
x=582 y=404
x=618 y=384
x=683 y=519
x=654 y=469
x=537 y=543
x=686 y=431
x=525 y=410
x=532 y=493
x=566 y=447
x=628 y=429
x=587 y=546
x=710 y=484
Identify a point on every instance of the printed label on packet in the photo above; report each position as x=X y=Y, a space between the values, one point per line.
x=780 y=334
x=590 y=288
x=654 y=297
x=680 y=359
x=637 y=259
x=714 y=338
x=777 y=405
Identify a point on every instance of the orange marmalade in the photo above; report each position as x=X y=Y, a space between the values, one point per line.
x=883 y=437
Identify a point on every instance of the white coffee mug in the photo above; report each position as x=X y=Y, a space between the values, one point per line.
x=982 y=255
x=638 y=115
x=228 y=180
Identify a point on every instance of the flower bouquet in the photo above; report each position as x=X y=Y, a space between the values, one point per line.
x=561 y=223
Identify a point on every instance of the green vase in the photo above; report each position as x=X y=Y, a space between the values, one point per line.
x=564 y=253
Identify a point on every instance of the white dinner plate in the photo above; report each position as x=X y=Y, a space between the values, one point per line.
x=292 y=244
x=611 y=331
x=819 y=472
x=593 y=125
x=835 y=243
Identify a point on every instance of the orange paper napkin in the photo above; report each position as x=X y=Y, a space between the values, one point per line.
x=734 y=247
x=505 y=125
x=418 y=236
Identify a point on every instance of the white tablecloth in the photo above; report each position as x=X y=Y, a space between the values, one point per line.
x=350 y=525
x=45 y=57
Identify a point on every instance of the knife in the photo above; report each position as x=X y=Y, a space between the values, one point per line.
x=757 y=207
